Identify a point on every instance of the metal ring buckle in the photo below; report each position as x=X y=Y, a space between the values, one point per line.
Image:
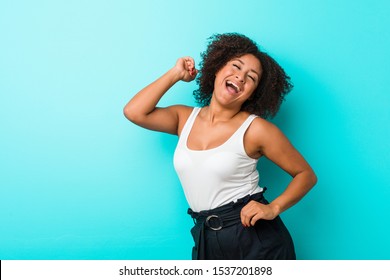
x=214 y=216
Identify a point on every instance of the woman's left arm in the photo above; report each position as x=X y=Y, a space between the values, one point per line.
x=273 y=144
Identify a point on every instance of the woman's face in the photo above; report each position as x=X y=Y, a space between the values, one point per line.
x=236 y=81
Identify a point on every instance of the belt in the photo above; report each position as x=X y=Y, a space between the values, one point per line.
x=216 y=219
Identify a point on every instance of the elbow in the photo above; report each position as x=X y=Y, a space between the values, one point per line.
x=313 y=179
x=131 y=114
x=309 y=178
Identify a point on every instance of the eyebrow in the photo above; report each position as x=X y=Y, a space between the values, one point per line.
x=242 y=62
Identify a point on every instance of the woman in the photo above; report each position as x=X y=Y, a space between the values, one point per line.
x=219 y=146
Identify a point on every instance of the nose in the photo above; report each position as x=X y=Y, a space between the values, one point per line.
x=239 y=78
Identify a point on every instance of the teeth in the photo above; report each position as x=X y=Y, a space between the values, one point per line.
x=234 y=85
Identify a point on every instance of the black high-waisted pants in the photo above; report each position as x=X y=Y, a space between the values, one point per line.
x=219 y=235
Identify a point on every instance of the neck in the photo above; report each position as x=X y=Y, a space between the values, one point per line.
x=215 y=113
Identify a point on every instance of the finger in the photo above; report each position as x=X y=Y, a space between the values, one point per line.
x=251 y=213
x=243 y=218
x=188 y=59
x=191 y=62
x=194 y=72
x=246 y=217
x=246 y=221
x=255 y=218
x=185 y=60
x=190 y=65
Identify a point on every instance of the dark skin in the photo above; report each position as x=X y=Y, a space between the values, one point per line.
x=234 y=84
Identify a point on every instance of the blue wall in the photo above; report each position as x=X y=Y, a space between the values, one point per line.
x=78 y=181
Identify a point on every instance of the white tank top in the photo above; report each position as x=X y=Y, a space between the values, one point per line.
x=217 y=176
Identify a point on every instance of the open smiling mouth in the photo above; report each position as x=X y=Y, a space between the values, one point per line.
x=232 y=87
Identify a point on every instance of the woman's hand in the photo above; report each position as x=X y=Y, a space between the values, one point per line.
x=254 y=211
x=185 y=67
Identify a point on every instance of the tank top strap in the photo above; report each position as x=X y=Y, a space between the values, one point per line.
x=244 y=126
x=189 y=123
x=237 y=139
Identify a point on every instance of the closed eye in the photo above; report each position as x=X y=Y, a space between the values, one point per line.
x=238 y=67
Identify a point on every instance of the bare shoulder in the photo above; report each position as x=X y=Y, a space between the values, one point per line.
x=262 y=134
x=262 y=128
x=181 y=109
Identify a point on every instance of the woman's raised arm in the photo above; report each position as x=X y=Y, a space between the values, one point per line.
x=142 y=110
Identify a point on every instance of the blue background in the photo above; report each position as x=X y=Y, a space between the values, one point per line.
x=78 y=181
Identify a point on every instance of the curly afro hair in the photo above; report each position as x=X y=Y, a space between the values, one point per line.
x=274 y=83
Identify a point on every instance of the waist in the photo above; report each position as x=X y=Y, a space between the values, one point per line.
x=225 y=215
